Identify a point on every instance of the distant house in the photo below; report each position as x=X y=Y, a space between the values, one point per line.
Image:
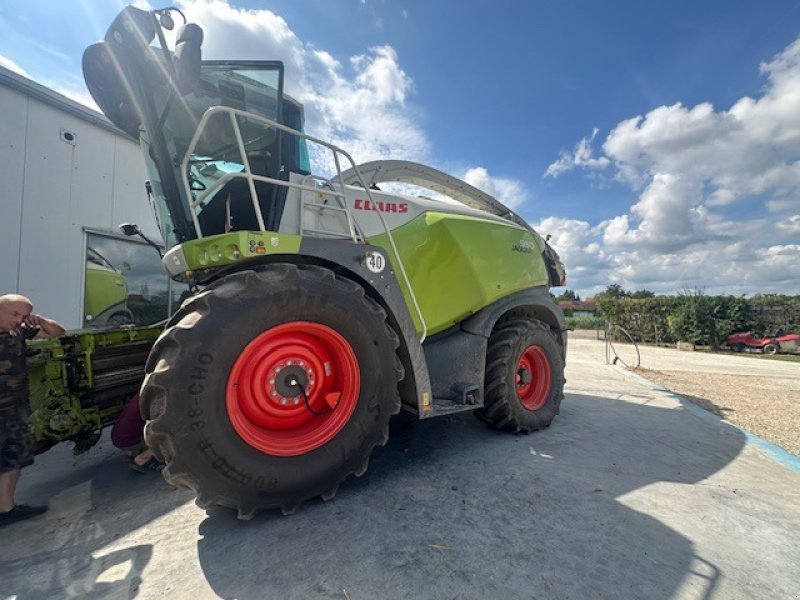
x=578 y=308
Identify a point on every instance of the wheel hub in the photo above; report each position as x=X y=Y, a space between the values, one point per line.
x=293 y=388
x=291 y=381
x=524 y=376
x=533 y=378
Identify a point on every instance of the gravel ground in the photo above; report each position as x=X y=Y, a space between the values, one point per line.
x=768 y=407
x=758 y=395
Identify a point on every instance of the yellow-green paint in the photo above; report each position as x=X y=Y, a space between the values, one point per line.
x=51 y=392
x=104 y=288
x=229 y=248
x=458 y=264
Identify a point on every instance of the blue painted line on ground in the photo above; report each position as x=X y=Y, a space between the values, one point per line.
x=780 y=455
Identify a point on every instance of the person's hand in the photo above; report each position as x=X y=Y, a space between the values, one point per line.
x=48 y=328
x=32 y=321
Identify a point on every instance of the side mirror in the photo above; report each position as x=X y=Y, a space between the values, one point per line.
x=129 y=229
x=133 y=229
x=166 y=21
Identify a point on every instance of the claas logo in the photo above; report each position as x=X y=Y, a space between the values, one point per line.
x=386 y=207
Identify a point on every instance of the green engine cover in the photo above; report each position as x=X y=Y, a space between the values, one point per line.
x=458 y=264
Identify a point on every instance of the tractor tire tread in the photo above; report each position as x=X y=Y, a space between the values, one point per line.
x=498 y=410
x=164 y=428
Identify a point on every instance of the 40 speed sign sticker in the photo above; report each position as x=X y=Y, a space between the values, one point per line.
x=376 y=262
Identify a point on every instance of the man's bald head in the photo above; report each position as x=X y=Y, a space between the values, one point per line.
x=14 y=308
x=15 y=298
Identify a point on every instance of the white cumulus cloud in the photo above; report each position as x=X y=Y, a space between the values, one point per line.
x=582 y=156
x=697 y=170
x=360 y=104
x=12 y=66
x=790 y=225
x=510 y=192
x=577 y=242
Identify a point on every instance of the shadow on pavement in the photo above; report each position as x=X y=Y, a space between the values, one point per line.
x=706 y=404
x=60 y=555
x=452 y=509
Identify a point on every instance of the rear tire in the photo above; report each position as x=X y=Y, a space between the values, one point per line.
x=524 y=377
x=737 y=348
x=218 y=416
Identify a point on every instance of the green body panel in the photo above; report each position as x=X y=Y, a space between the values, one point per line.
x=229 y=248
x=459 y=264
x=79 y=383
x=456 y=264
x=104 y=288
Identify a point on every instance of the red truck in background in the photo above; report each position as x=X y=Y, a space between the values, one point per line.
x=747 y=341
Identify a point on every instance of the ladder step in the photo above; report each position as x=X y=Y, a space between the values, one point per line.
x=446 y=406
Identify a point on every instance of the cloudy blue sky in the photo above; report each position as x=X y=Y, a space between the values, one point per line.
x=658 y=143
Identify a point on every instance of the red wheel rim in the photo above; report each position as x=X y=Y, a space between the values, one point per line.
x=533 y=378
x=282 y=423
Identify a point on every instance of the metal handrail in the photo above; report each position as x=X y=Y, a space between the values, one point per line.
x=355 y=232
x=248 y=174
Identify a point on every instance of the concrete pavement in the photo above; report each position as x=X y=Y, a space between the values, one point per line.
x=668 y=359
x=627 y=495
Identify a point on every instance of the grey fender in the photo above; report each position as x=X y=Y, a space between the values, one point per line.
x=457 y=358
x=533 y=303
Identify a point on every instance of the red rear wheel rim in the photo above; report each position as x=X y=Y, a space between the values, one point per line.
x=533 y=378
x=287 y=424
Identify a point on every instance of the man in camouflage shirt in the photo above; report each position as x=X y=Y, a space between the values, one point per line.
x=17 y=324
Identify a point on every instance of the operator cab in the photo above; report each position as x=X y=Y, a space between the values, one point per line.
x=197 y=160
x=220 y=194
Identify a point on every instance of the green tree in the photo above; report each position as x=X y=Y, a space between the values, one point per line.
x=774 y=313
x=691 y=317
x=608 y=301
x=568 y=295
x=615 y=290
x=699 y=318
x=641 y=294
x=731 y=314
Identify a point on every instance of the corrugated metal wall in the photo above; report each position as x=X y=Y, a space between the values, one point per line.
x=51 y=190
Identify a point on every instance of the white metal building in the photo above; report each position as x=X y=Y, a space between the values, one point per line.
x=69 y=179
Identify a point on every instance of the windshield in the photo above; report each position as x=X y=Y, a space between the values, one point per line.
x=254 y=88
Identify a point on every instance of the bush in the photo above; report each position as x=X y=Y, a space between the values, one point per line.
x=646 y=319
x=695 y=317
x=585 y=322
x=775 y=313
x=690 y=320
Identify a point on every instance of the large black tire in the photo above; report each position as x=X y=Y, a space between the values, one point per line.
x=517 y=398
x=187 y=393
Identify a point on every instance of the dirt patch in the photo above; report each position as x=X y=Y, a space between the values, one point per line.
x=766 y=407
